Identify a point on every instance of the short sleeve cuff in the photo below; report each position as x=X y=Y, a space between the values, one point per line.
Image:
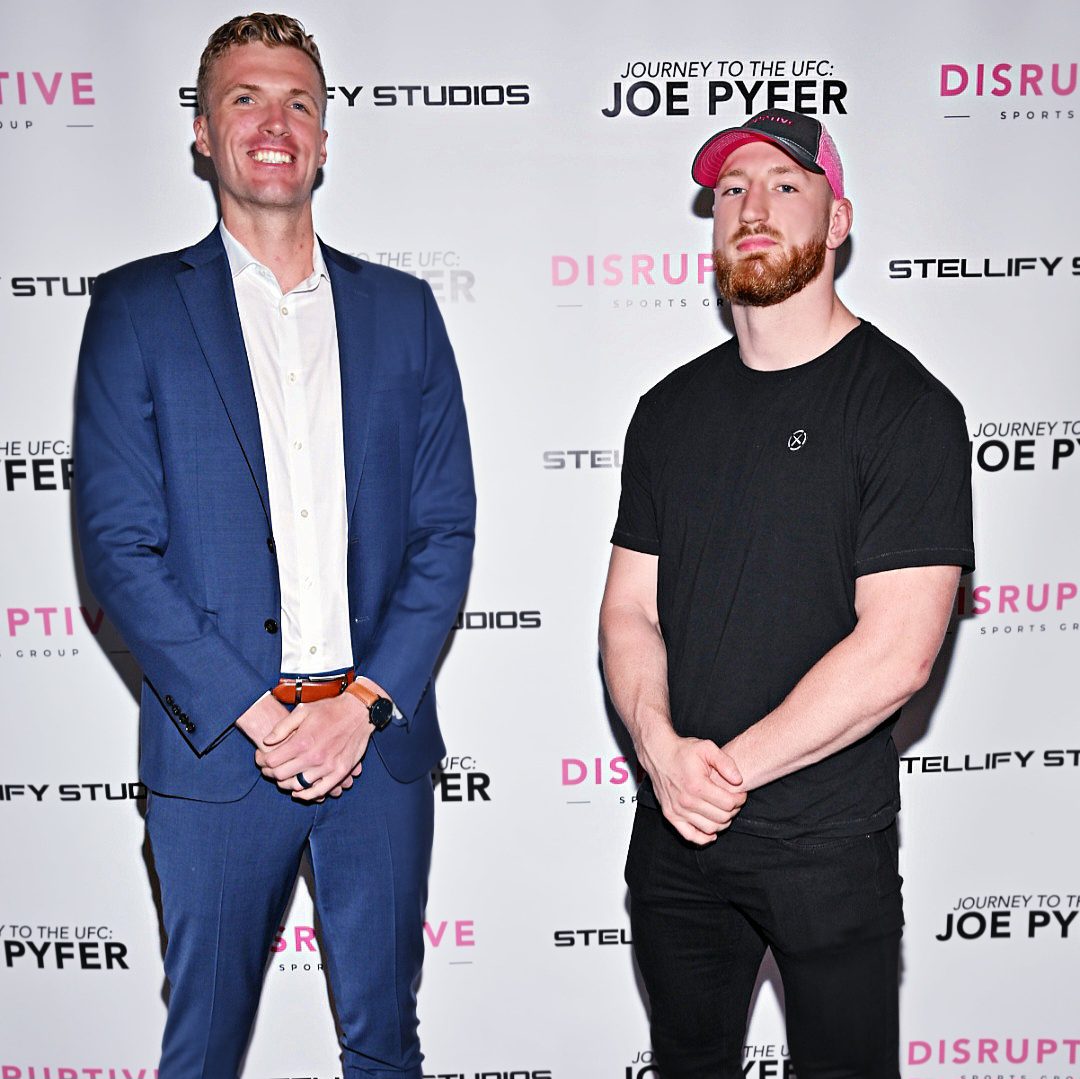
x=635 y=543
x=964 y=557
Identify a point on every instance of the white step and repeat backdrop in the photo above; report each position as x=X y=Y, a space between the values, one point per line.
x=532 y=162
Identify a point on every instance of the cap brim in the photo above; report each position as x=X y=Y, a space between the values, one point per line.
x=709 y=162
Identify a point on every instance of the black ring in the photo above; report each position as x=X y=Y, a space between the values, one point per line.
x=304 y=782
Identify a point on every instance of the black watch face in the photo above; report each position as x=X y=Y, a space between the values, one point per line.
x=381 y=712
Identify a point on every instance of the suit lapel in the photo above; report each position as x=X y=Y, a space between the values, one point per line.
x=354 y=312
x=207 y=289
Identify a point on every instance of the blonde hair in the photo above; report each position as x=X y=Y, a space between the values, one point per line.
x=272 y=30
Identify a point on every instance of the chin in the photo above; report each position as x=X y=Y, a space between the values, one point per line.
x=761 y=280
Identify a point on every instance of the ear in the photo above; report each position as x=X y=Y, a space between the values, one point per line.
x=202 y=135
x=840 y=218
x=322 y=151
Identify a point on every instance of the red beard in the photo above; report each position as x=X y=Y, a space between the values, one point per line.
x=763 y=279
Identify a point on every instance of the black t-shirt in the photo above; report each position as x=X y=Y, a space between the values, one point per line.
x=765 y=495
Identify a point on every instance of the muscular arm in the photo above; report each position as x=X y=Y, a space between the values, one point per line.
x=697 y=785
x=902 y=617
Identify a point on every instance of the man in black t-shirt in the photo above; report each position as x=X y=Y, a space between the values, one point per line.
x=795 y=515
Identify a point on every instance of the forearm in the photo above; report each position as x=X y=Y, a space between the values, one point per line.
x=635 y=670
x=697 y=785
x=853 y=688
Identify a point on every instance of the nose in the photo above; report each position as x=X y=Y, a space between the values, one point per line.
x=276 y=121
x=753 y=207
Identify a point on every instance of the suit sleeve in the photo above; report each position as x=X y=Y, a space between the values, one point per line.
x=203 y=683
x=438 y=553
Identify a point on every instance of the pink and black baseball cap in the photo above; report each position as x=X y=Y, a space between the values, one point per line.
x=800 y=137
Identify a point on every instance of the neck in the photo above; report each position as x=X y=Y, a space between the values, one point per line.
x=282 y=241
x=793 y=332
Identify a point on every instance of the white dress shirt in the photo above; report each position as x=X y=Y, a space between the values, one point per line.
x=292 y=351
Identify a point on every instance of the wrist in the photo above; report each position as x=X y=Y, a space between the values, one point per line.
x=259 y=718
x=654 y=739
x=356 y=706
x=379 y=707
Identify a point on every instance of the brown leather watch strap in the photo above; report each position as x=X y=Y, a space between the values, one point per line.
x=365 y=695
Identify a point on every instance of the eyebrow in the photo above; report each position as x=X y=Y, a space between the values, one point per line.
x=777 y=170
x=296 y=91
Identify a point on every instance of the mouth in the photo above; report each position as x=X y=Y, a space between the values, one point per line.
x=755 y=243
x=271 y=157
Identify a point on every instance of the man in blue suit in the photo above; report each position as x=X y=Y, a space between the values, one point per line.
x=275 y=507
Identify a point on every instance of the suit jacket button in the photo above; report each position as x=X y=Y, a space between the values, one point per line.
x=176 y=709
x=168 y=699
x=271 y=545
x=270 y=625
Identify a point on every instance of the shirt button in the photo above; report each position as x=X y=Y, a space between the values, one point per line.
x=303 y=513
x=313 y=649
x=292 y=376
x=298 y=445
x=284 y=310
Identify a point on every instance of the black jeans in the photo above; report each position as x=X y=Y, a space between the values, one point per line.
x=702 y=917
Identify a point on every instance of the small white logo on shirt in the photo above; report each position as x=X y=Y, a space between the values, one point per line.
x=797 y=440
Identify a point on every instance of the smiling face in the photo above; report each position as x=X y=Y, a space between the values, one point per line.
x=263 y=128
x=773 y=226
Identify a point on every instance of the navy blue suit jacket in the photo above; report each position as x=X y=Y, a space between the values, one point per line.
x=174 y=516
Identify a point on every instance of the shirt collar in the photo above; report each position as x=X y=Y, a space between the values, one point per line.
x=240 y=258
